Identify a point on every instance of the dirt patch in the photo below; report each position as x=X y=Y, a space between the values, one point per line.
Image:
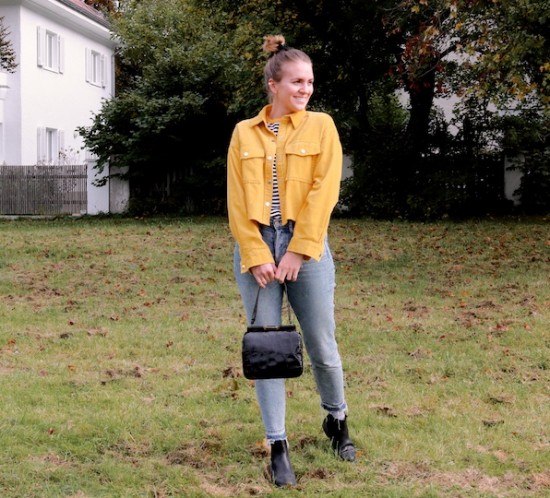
x=469 y=480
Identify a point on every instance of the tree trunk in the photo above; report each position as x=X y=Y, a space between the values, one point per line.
x=421 y=95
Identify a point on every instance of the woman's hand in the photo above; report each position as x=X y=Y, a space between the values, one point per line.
x=264 y=274
x=289 y=267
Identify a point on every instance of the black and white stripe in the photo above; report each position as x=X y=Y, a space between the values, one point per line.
x=275 y=200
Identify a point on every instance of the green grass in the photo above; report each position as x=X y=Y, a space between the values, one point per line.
x=120 y=366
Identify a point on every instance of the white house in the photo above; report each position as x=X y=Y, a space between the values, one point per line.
x=65 y=56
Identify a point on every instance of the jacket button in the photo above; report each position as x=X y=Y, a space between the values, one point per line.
x=269 y=158
x=245 y=154
x=267 y=203
x=303 y=151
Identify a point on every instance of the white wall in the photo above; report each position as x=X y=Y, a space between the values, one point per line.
x=37 y=97
x=98 y=197
x=61 y=101
x=3 y=93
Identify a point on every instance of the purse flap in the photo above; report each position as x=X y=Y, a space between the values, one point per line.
x=271 y=328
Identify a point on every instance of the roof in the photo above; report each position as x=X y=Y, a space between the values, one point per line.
x=86 y=10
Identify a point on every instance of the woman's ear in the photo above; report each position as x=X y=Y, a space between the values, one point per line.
x=272 y=85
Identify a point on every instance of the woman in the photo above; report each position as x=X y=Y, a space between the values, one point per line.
x=283 y=173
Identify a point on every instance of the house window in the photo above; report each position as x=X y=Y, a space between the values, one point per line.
x=50 y=50
x=96 y=68
x=50 y=145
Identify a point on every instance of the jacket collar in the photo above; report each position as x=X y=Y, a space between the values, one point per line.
x=295 y=118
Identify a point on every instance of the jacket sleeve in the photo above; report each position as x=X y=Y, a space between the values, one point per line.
x=313 y=219
x=253 y=250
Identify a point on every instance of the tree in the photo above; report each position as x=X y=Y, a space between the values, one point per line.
x=7 y=54
x=496 y=50
x=169 y=127
x=103 y=5
x=488 y=52
x=527 y=143
x=192 y=68
x=506 y=48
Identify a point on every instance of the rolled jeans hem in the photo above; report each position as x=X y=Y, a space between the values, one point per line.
x=343 y=407
x=278 y=437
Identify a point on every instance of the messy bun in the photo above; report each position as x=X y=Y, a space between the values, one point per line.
x=279 y=54
x=274 y=43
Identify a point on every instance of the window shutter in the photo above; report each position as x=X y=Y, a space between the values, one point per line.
x=41 y=146
x=61 y=53
x=40 y=46
x=87 y=62
x=103 y=70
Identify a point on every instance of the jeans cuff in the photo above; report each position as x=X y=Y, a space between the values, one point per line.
x=342 y=407
x=271 y=438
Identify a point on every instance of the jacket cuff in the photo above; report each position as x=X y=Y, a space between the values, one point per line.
x=255 y=257
x=310 y=250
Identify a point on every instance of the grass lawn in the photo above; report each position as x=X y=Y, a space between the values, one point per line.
x=120 y=369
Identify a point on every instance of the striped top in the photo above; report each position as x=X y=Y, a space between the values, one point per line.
x=275 y=200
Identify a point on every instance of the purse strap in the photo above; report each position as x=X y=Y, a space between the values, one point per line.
x=255 y=310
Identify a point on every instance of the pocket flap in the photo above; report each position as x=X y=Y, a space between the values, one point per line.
x=251 y=153
x=304 y=148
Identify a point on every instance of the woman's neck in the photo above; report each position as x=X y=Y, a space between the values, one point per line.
x=276 y=112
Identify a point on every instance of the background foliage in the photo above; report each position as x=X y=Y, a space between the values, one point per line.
x=190 y=69
x=7 y=54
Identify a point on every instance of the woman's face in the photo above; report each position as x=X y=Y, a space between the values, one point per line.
x=292 y=93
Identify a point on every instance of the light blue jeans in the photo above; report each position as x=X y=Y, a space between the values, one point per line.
x=312 y=300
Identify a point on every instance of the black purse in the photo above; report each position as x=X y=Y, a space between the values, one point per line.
x=272 y=352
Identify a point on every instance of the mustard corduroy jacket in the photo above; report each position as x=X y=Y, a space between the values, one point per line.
x=309 y=169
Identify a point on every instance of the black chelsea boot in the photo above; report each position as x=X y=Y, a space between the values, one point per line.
x=281 y=468
x=337 y=431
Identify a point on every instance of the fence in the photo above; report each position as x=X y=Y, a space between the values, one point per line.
x=43 y=190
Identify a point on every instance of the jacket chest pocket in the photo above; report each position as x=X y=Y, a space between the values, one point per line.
x=252 y=161
x=301 y=160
